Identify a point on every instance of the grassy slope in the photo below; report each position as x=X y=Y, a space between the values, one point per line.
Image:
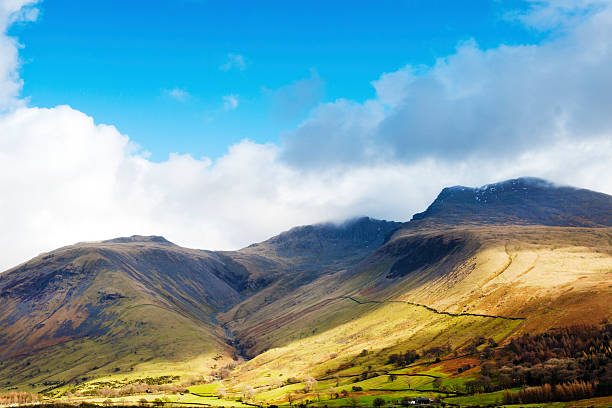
x=56 y=325
x=131 y=347
x=159 y=324
x=553 y=276
x=389 y=328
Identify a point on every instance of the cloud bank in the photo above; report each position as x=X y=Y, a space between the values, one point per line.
x=475 y=117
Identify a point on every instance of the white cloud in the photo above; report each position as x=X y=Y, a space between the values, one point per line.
x=230 y=102
x=234 y=61
x=12 y=11
x=177 y=94
x=549 y=14
x=65 y=178
x=392 y=87
x=496 y=102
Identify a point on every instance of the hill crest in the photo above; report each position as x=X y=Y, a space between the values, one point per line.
x=521 y=201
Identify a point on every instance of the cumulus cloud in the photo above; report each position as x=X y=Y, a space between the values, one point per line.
x=501 y=101
x=230 y=102
x=177 y=94
x=475 y=117
x=234 y=61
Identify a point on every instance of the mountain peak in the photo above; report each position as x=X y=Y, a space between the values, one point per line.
x=526 y=200
x=138 y=239
x=517 y=183
x=360 y=230
x=320 y=243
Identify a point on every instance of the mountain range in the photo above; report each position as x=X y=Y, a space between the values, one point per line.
x=513 y=258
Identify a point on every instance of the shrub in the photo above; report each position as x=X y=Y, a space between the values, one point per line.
x=378 y=402
x=437 y=351
x=403 y=359
x=247 y=392
x=310 y=383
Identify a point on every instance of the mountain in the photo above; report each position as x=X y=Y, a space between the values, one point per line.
x=141 y=302
x=113 y=305
x=471 y=251
x=515 y=258
x=442 y=281
x=523 y=201
x=328 y=243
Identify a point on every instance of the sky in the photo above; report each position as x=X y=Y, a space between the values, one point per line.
x=219 y=124
x=163 y=72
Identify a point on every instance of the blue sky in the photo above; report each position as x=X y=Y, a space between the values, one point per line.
x=119 y=61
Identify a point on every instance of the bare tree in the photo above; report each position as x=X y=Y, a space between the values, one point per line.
x=247 y=392
x=310 y=383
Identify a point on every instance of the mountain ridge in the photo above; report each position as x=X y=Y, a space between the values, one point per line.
x=526 y=201
x=142 y=304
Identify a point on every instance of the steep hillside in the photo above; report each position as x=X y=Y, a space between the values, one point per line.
x=441 y=294
x=113 y=306
x=142 y=304
x=329 y=246
x=308 y=253
x=485 y=271
x=554 y=276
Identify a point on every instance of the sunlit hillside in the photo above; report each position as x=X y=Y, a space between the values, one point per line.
x=331 y=314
